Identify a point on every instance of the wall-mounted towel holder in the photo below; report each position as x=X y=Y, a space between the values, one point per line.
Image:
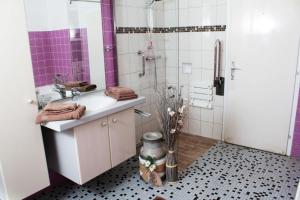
x=142 y=113
x=219 y=81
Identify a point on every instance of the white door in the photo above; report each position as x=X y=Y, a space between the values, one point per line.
x=22 y=156
x=263 y=38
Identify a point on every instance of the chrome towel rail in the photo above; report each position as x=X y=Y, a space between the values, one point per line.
x=142 y=113
x=217 y=61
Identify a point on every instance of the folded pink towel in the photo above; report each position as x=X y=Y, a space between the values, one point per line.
x=45 y=116
x=121 y=93
x=60 y=107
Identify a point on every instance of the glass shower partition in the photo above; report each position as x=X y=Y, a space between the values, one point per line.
x=147 y=51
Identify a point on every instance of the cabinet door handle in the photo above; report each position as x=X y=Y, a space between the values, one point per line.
x=114 y=120
x=103 y=124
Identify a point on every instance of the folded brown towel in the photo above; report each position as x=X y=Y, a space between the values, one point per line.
x=86 y=88
x=60 y=107
x=126 y=97
x=121 y=93
x=74 y=84
x=43 y=117
x=120 y=90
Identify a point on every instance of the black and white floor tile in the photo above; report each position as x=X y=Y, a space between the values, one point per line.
x=224 y=172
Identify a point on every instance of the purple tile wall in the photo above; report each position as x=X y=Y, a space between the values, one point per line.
x=50 y=53
x=39 y=47
x=110 y=57
x=53 y=53
x=60 y=53
x=296 y=138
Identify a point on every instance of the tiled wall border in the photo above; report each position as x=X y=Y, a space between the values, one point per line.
x=215 y=28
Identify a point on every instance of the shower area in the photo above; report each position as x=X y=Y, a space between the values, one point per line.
x=163 y=43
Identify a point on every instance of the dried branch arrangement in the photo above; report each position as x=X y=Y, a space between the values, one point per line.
x=171 y=113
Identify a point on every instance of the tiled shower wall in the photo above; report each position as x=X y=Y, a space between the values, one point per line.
x=196 y=47
x=133 y=14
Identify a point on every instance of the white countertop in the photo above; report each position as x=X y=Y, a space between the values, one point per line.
x=93 y=113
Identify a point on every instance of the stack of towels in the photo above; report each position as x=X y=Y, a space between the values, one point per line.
x=59 y=112
x=81 y=86
x=121 y=93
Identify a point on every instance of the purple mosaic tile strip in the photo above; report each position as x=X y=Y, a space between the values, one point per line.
x=296 y=138
x=110 y=57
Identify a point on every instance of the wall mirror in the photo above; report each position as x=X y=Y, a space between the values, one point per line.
x=66 y=43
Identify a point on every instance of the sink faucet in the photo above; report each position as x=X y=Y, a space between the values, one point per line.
x=61 y=89
x=75 y=93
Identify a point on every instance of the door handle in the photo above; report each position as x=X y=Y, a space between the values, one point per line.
x=103 y=124
x=233 y=69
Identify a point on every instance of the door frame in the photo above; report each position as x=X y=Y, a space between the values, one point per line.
x=227 y=69
x=295 y=103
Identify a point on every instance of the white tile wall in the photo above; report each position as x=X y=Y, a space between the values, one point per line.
x=197 y=48
x=133 y=13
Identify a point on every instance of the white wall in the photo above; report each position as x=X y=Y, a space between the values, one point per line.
x=33 y=9
x=40 y=14
x=23 y=162
x=57 y=14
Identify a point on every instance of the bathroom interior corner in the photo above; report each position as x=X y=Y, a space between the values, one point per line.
x=150 y=99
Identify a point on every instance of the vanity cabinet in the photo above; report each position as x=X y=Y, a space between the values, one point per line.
x=86 y=151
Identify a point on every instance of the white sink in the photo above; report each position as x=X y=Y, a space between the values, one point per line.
x=95 y=101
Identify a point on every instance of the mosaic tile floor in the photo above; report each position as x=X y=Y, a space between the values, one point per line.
x=224 y=172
